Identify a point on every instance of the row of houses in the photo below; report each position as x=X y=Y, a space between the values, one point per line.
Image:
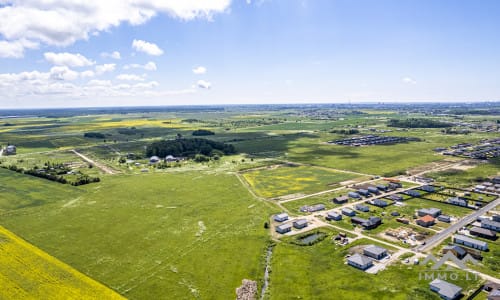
x=370 y=140
x=492 y=186
x=287 y=227
x=470 y=242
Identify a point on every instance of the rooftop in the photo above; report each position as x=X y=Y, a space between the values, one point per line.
x=445 y=288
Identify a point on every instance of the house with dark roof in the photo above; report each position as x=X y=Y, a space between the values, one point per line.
x=358 y=220
x=490 y=224
x=496 y=218
x=375 y=252
x=458 y=251
x=382 y=187
x=458 y=201
x=380 y=203
x=362 y=207
x=284 y=228
x=470 y=242
x=341 y=199
x=354 y=195
x=300 y=223
x=373 y=190
x=446 y=290
x=395 y=197
x=363 y=192
x=428 y=188
x=483 y=232
x=426 y=221
x=360 y=261
x=333 y=216
x=373 y=222
x=10 y=150
x=413 y=193
x=281 y=217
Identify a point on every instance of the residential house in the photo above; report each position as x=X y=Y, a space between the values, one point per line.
x=395 y=214
x=348 y=212
x=413 y=193
x=490 y=224
x=403 y=220
x=363 y=192
x=428 y=188
x=494 y=290
x=371 y=223
x=284 y=228
x=380 y=203
x=496 y=179
x=10 y=150
x=426 y=221
x=360 y=261
x=446 y=290
x=483 y=232
x=458 y=201
x=362 y=207
x=300 y=223
x=382 y=187
x=341 y=199
x=496 y=218
x=312 y=208
x=395 y=197
x=281 y=217
x=373 y=190
x=332 y=215
x=470 y=242
x=444 y=218
x=434 y=212
x=358 y=220
x=395 y=185
x=375 y=252
x=458 y=251
x=354 y=195
x=154 y=159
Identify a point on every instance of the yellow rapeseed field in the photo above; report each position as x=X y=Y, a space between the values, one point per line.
x=27 y=272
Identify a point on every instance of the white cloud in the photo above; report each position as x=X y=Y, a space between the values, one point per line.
x=408 y=80
x=146 y=47
x=200 y=70
x=63 y=73
x=113 y=55
x=87 y=74
x=150 y=66
x=203 y=84
x=101 y=69
x=130 y=77
x=29 y=23
x=67 y=59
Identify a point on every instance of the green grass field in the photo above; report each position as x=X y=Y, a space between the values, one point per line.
x=144 y=235
x=283 y=180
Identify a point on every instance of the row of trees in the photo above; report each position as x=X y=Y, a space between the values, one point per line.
x=52 y=176
x=189 y=148
x=345 y=131
x=417 y=123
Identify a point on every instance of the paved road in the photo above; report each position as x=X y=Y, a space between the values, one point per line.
x=103 y=167
x=438 y=238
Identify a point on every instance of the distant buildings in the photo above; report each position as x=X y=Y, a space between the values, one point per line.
x=370 y=140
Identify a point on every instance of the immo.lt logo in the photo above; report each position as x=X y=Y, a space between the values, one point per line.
x=448 y=273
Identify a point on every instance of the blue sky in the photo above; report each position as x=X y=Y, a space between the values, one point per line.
x=60 y=53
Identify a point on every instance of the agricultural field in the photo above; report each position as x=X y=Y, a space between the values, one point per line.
x=281 y=180
x=29 y=273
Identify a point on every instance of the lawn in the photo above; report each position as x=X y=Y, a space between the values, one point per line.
x=320 y=272
x=281 y=180
x=145 y=235
x=29 y=273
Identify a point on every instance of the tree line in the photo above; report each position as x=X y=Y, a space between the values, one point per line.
x=417 y=123
x=189 y=148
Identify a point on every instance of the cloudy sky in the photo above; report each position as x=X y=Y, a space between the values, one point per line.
x=66 y=53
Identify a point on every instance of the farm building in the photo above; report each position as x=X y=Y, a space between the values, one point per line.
x=300 y=223
x=361 y=207
x=434 y=212
x=428 y=188
x=380 y=203
x=284 y=228
x=483 y=232
x=395 y=197
x=363 y=192
x=446 y=290
x=470 y=242
x=413 y=193
x=373 y=190
x=426 y=221
x=490 y=224
x=10 y=150
x=340 y=200
x=458 y=251
x=457 y=201
x=281 y=217
x=375 y=252
x=444 y=218
x=335 y=216
x=348 y=212
x=360 y=261
x=353 y=195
